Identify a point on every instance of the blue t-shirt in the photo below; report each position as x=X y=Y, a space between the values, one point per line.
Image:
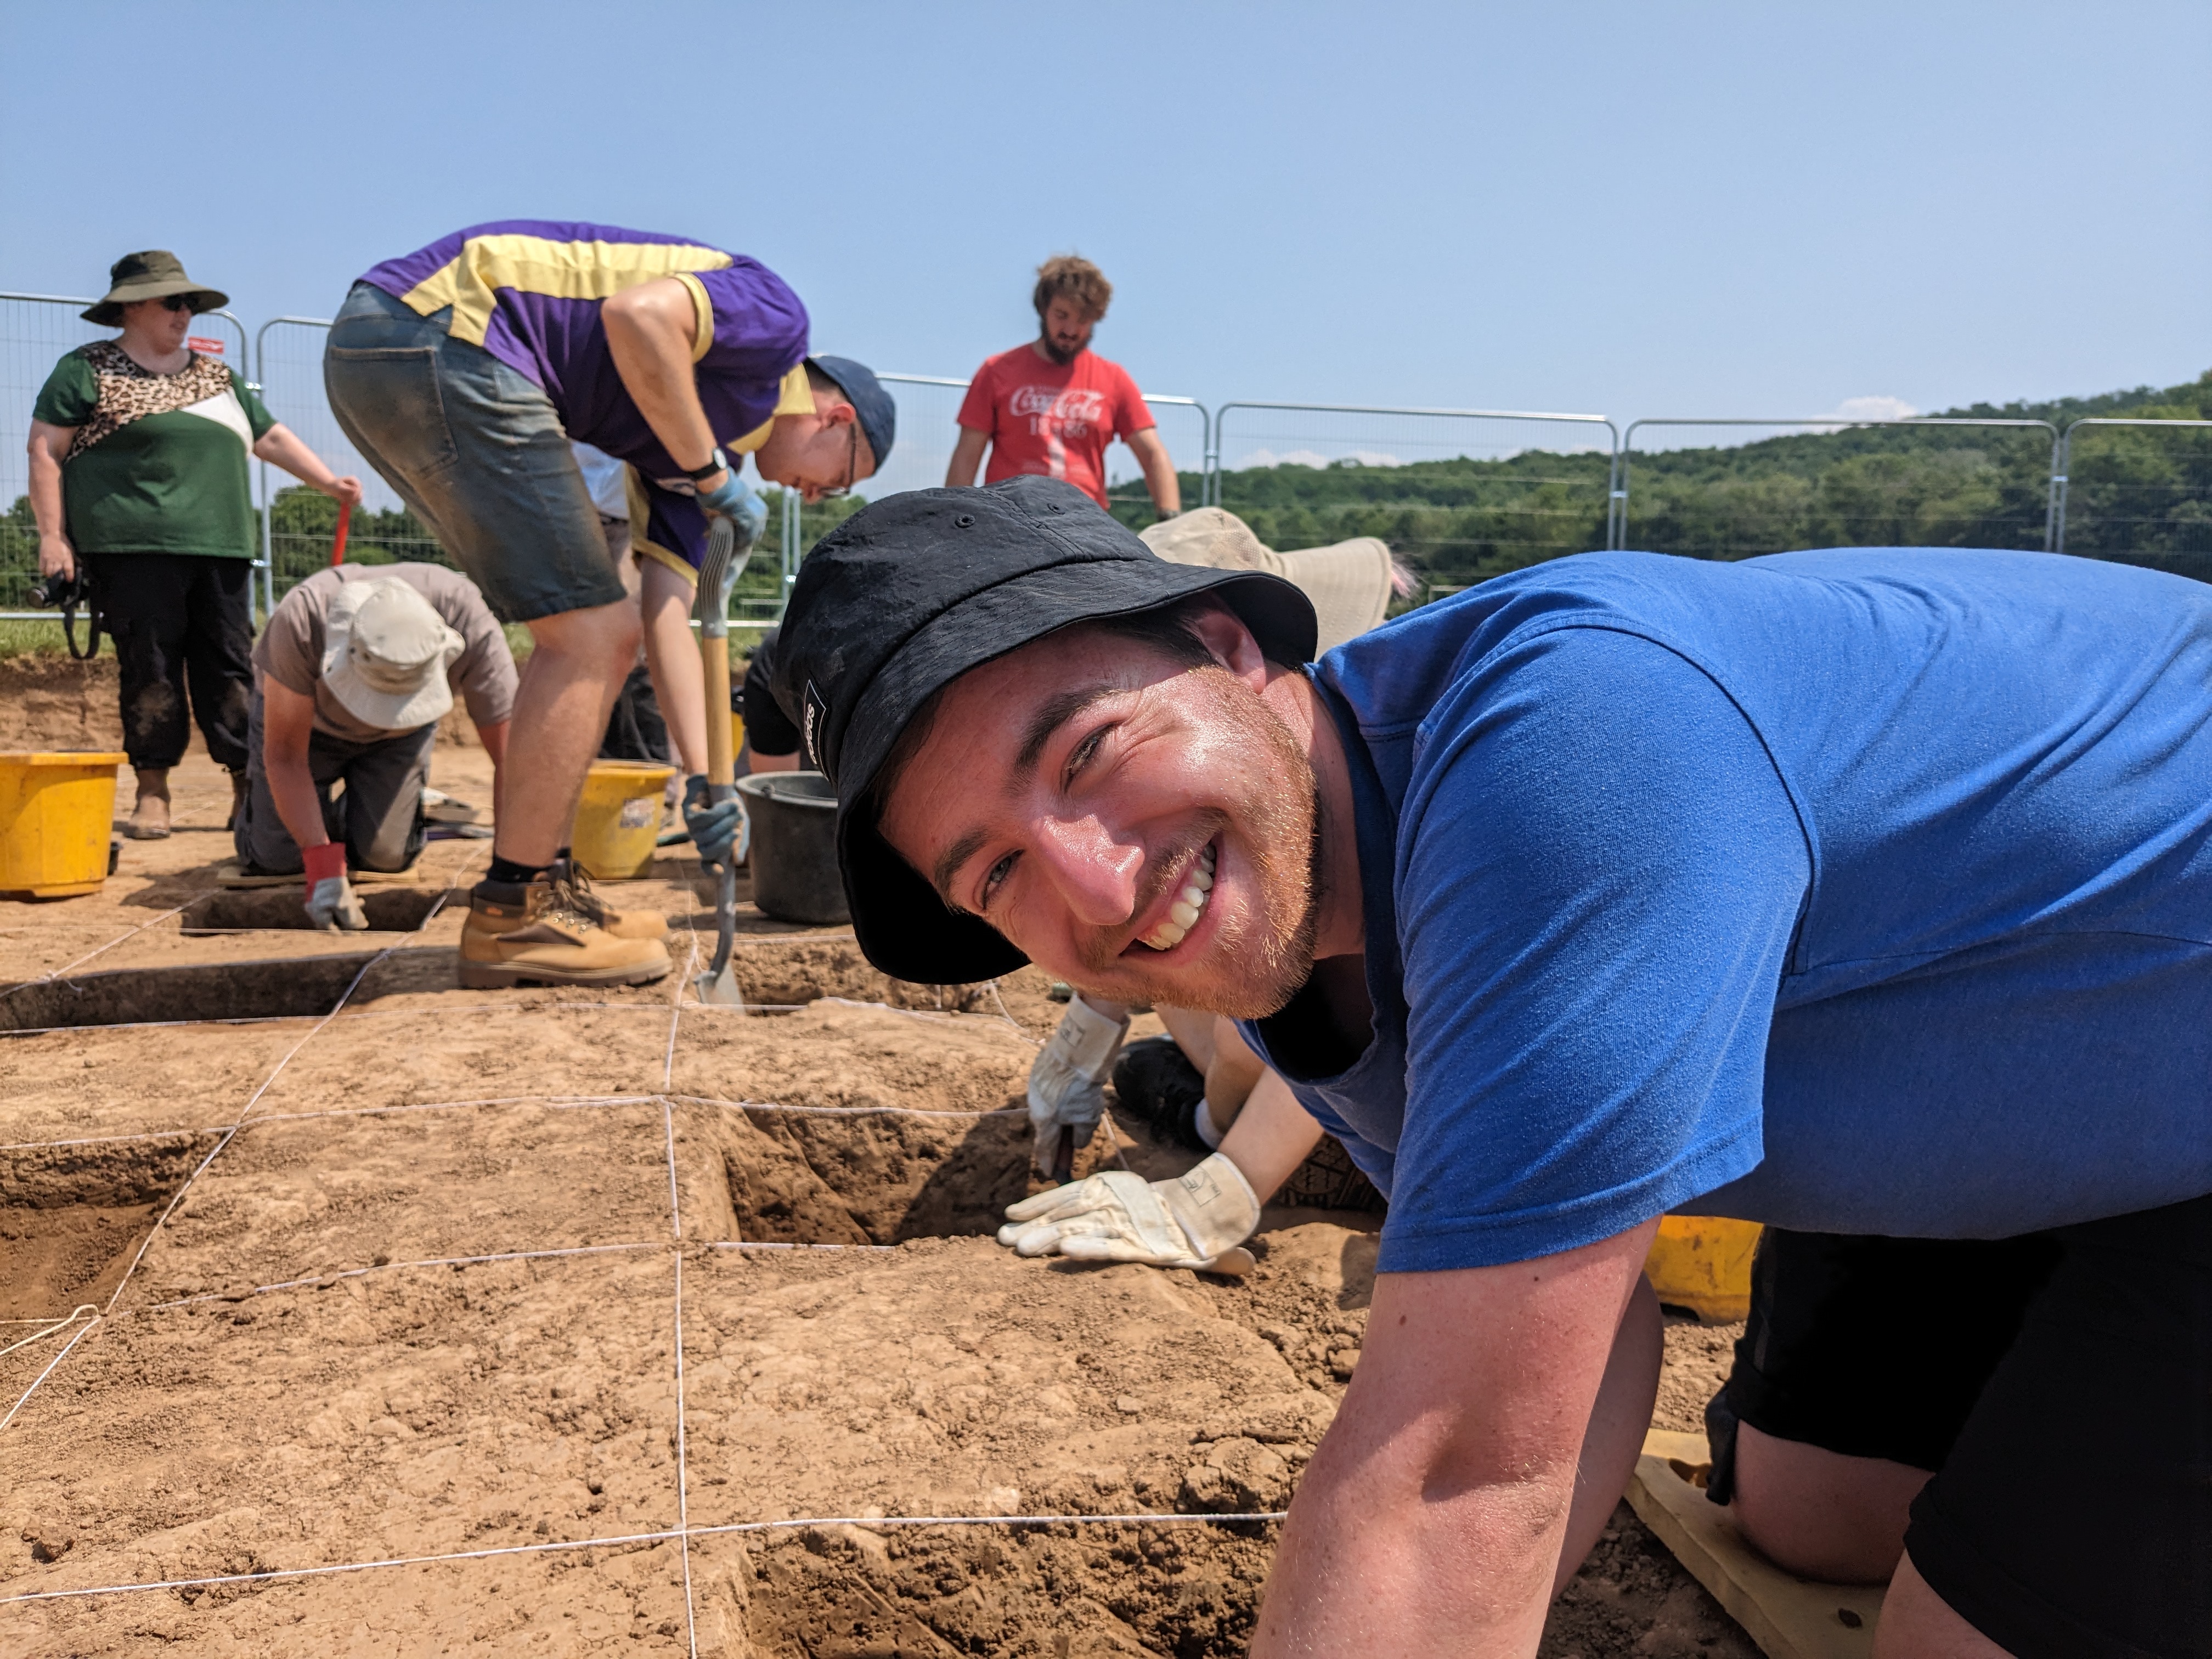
x=1863 y=891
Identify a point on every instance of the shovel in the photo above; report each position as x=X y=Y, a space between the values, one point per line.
x=718 y=576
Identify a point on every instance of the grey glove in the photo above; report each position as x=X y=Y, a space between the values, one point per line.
x=740 y=503
x=332 y=906
x=715 y=825
x=1068 y=1080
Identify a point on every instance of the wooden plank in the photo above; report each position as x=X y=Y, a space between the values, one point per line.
x=1790 y=1618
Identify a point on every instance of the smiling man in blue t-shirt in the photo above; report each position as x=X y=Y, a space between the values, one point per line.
x=1867 y=894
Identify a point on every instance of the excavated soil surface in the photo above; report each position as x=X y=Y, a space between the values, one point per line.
x=424 y=1300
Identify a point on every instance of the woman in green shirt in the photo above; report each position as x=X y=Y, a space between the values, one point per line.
x=138 y=449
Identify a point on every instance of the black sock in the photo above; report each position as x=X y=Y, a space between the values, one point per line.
x=517 y=875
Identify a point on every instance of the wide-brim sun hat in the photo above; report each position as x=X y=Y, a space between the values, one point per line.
x=385 y=651
x=154 y=274
x=1350 y=582
x=913 y=592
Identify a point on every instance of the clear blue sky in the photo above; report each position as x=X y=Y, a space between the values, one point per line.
x=1638 y=209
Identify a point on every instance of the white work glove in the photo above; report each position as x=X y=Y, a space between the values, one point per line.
x=1068 y=1080
x=331 y=905
x=1199 y=1220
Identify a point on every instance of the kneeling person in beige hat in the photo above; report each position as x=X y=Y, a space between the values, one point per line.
x=351 y=676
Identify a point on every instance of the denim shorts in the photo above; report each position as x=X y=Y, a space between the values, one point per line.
x=477 y=450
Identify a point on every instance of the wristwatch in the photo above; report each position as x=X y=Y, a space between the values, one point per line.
x=716 y=462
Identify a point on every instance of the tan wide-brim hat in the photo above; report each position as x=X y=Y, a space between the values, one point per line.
x=1348 y=582
x=385 y=650
x=154 y=275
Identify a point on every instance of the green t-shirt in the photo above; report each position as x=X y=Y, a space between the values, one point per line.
x=159 y=466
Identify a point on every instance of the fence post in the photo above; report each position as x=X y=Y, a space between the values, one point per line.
x=2065 y=466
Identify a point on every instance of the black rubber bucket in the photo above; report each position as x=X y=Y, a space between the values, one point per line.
x=794 y=856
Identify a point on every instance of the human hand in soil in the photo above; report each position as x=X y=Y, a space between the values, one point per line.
x=332 y=904
x=1067 y=1079
x=1199 y=1220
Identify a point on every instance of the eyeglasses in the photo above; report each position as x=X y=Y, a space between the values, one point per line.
x=177 y=302
x=851 y=463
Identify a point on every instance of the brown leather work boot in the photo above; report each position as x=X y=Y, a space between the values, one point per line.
x=622 y=924
x=149 y=814
x=537 y=934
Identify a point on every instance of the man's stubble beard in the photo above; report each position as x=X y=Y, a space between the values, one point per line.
x=1280 y=827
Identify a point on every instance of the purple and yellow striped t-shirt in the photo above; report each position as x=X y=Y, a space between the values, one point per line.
x=528 y=291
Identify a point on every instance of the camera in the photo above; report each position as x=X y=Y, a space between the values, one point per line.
x=58 y=591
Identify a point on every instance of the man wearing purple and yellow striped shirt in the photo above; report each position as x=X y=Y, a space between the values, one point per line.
x=461 y=371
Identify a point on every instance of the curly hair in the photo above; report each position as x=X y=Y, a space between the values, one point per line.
x=1074 y=276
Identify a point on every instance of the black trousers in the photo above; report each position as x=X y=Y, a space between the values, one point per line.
x=181 y=622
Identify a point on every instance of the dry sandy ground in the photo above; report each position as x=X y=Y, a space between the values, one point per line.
x=545 y=1274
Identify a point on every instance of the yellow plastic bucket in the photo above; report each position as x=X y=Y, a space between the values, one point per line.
x=618 y=817
x=56 y=811
x=1702 y=1263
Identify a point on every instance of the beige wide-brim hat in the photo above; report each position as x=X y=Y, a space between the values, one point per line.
x=385 y=650
x=1349 y=582
x=154 y=274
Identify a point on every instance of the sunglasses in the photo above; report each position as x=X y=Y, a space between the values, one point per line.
x=177 y=302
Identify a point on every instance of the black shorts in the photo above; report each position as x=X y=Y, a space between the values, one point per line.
x=2059 y=1385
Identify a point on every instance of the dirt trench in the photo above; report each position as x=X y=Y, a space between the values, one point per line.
x=328 y=1353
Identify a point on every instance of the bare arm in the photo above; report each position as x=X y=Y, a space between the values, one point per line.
x=1271 y=1137
x=967 y=456
x=651 y=331
x=287 y=722
x=57 y=557
x=280 y=446
x=671 y=660
x=1433 y=1518
x=1159 y=471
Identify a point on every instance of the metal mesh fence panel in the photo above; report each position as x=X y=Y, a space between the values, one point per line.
x=928 y=428
x=36 y=331
x=2139 y=491
x=1459 y=494
x=1187 y=430
x=301 y=522
x=1814 y=482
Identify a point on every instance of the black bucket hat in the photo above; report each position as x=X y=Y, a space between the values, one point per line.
x=908 y=594
x=154 y=275
x=877 y=413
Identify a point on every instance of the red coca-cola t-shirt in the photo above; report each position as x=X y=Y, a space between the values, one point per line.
x=1053 y=420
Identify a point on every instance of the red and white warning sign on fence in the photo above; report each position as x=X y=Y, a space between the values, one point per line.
x=201 y=343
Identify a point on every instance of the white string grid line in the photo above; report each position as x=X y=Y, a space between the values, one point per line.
x=683 y=1467
x=67 y=968
x=723 y=1529
x=551 y=1103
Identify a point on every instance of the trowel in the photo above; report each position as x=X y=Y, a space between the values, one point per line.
x=717 y=577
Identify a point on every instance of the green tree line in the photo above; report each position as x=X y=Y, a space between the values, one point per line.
x=2138 y=495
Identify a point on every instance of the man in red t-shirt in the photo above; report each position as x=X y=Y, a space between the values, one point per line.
x=1052 y=406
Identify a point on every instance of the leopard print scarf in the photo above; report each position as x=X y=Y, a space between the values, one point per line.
x=127 y=392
